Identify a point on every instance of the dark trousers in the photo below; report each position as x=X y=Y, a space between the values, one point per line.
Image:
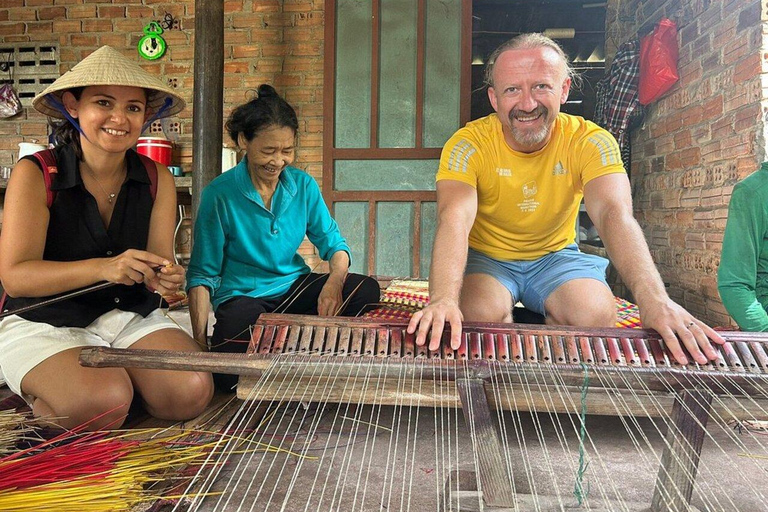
x=232 y=332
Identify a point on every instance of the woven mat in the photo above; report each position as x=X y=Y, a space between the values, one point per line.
x=402 y=298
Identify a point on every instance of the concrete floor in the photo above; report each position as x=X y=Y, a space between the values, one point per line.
x=359 y=465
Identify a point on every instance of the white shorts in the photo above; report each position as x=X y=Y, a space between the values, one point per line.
x=25 y=344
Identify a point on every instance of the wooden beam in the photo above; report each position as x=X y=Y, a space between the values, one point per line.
x=680 y=460
x=329 y=100
x=208 y=96
x=492 y=469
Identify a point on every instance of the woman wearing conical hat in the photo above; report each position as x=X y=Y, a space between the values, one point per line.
x=106 y=215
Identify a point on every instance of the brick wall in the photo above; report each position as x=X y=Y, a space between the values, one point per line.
x=266 y=41
x=697 y=141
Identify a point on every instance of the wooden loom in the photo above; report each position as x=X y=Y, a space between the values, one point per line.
x=511 y=367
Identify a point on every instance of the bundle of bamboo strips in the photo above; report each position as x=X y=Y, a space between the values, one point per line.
x=94 y=472
x=13 y=428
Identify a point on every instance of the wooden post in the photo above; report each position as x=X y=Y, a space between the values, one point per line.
x=494 y=479
x=680 y=459
x=208 y=96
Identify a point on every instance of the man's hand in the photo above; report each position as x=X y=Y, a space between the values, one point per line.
x=675 y=324
x=330 y=298
x=434 y=316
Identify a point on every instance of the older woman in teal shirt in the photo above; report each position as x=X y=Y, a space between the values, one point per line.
x=250 y=224
x=742 y=278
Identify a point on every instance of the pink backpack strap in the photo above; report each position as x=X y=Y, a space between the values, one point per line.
x=151 y=168
x=47 y=161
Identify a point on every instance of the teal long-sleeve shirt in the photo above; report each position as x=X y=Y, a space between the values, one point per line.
x=241 y=248
x=742 y=278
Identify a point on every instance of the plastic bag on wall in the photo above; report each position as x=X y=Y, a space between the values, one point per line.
x=10 y=105
x=658 y=61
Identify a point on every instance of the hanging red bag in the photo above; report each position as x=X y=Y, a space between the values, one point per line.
x=658 y=61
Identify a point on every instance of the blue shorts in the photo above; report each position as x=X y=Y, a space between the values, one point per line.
x=531 y=282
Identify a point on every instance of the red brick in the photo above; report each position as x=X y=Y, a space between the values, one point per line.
x=177 y=10
x=276 y=20
x=11 y=3
x=308 y=19
x=40 y=27
x=23 y=14
x=713 y=107
x=140 y=13
x=97 y=25
x=246 y=20
x=308 y=49
x=232 y=81
x=111 y=11
x=274 y=50
x=233 y=37
x=302 y=63
x=266 y=5
x=688 y=34
x=114 y=40
x=176 y=38
x=246 y=51
x=32 y=129
x=682 y=139
x=84 y=40
x=691 y=156
x=12 y=29
x=171 y=68
x=254 y=80
x=231 y=6
x=746 y=69
x=81 y=11
x=151 y=67
x=693 y=115
x=181 y=53
x=236 y=67
x=301 y=6
x=66 y=26
x=51 y=13
x=735 y=50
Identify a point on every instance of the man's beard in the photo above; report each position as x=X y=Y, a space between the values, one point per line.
x=530 y=138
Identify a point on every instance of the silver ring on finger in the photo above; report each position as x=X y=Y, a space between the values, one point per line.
x=691 y=324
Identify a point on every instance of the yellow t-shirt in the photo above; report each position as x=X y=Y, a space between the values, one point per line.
x=527 y=203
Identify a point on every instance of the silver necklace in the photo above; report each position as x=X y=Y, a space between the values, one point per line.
x=110 y=196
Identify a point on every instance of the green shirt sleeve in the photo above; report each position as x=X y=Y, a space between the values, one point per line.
x=742 y=245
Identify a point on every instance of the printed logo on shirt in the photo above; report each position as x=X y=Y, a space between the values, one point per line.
x=609 y=150
x=559 y=170
x=503 y=172
x=530 y=189
x=459 y=159
x=529 y=204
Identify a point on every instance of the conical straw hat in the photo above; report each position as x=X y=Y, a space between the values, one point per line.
x=107 y=66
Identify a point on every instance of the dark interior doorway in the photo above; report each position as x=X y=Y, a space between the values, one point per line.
x=577 y=25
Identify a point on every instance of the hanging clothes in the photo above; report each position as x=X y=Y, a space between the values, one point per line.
x=617 y=108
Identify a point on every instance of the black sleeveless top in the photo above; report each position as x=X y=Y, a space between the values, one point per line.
x=76 y=232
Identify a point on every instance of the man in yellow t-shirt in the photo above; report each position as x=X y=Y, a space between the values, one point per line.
x=508 y=193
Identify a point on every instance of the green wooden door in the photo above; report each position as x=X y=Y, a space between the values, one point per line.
x=396 y=88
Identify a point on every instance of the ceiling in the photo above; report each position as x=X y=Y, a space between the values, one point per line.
x=496 y=21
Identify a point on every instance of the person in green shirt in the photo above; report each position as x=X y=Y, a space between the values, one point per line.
x=742 y=278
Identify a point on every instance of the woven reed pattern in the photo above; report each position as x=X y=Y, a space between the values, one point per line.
x=403 y=297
